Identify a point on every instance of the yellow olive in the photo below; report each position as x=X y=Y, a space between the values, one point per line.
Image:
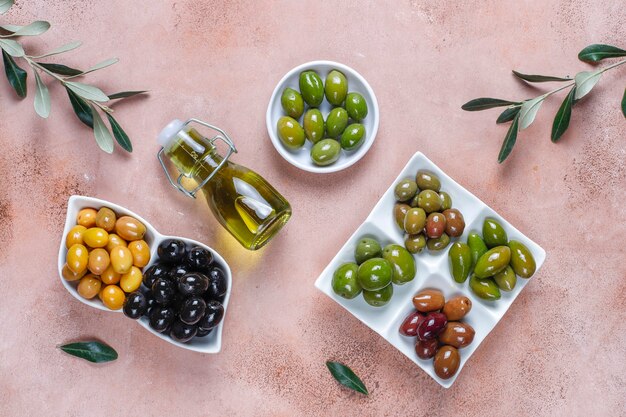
x=96 y=237
x=141 y=252
x=70 y=275
x=89 y=286
x=98 y=261
x=131 y=280
x=86 y=217
x=77 y=258
x=113 y=297
x=109 y=276
x=130 y=228
x=115 y=240
x=121 y=259
x=106 y=218
x=75 y=235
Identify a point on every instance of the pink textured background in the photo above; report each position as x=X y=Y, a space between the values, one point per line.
x=560 y=349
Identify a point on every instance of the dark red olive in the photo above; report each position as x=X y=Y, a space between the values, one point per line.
x=431 y=326
x=426 y=349
x=410 y=323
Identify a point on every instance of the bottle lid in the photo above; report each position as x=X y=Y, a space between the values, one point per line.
x=169 y=132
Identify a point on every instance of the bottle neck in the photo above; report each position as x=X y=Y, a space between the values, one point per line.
x=194 y=155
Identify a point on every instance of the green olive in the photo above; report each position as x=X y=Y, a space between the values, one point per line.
x=428 y=200
x=290 y=132
x=427 y=181
x=356 y=106
x=415 y=243
x=446 y=201
x=439 y=243
x=414 y=221
x=460 y=258
x=494 y=234
x=405 y=190
x=336 y=87
x=325 y=152
x=336 y=122
x=477 y=246
x=402 y=262
x=506 y=279
x=484 y=288
x=345 y=283
x=311 y=88
x=378 y=298
x=367 y=248
x=399 y=213
x=353 y=136
x=314 y=125
x=374 y=274
x=492 y=261
x=292 y=103
x=522 y=260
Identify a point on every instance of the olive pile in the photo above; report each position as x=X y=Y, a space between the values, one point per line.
x=183 y=293
x=342 y=128
x=105 y=255
x=439 y=331
x=493 y=261
x=374 y=272
x=425 y=213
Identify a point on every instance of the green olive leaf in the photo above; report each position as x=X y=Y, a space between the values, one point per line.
x=36 y=28
x=485 y=103
x=61 y=49
x=534 y=78
x=12 y=47
x=91 y=351
x=60 y=69
x=346 y=377
x=86 y=91
x=15 y=74
x=98 y=66
x=101 y=132
x=81 y=108
x=5 y=5
x=563 y=116
x=585 y=81
x=624 y=103
x=121 y=136
x=42 y=97
x=598 y=52
x=508 y=114
x=529 y=110
x=509 y=140
x=125 y=94
x=11 y=28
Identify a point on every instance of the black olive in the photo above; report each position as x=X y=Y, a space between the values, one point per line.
x=177 y=301
x=178 y=271
x=161 y=318
x=135 y=305
x=217 y=284
x=163 y=291
x=155 y=272
x=213 y=316
x=172 y=251
x=202 y=332
x=182 y=332
x=192 y=310
x=199 y=259
x=150 y=301
x=193 y=283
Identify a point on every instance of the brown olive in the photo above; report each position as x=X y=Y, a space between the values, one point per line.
x=457 y=334
x=86 y=217
x=140 y=251
x=428 y=300
x=129 y=228
x=426 y=349
x=75 y=235
x=98 y=261
x=89 y=286
x=455 y=224
x=457 y=307
x=446 y=362
x=435 y=225
x=105 y=218
x=414 y=221
x=399 y=212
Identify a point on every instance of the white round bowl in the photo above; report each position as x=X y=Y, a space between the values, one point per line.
x=212 y=343
x=301 y=158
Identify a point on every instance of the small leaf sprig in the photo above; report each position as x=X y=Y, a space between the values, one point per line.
x=523 y=113
x=87 y=100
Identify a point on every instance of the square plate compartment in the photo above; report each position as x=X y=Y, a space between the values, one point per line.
x=433 y=270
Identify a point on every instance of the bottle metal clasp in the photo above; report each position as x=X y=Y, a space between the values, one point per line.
x=221 y=135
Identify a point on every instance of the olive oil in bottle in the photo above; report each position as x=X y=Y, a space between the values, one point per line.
x=241 y=200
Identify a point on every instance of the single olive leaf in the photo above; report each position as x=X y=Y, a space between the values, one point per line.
x=121 y=136
x=34 y=29
x=509 y=140
x=485 y=103
x=598 y=52
x=60 y=69
x=91 y=351
x=563 y=116
x=534 y=78
x=346 y=377
x=101 y=132
x=81 y=108
x=12 y=47
x=99 y=66
x=86 y=91
x=125 y=94
x=11 y=28
x=42 y=97
x=529 y=110
x=5 y=5
x=15 y=74
x=61 y=49
x=624 y=103
x=508 y=114
x=585 y=81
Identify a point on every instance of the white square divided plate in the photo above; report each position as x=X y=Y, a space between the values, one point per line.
x=433 y=270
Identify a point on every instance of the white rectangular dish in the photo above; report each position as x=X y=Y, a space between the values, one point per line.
x=433 y=270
